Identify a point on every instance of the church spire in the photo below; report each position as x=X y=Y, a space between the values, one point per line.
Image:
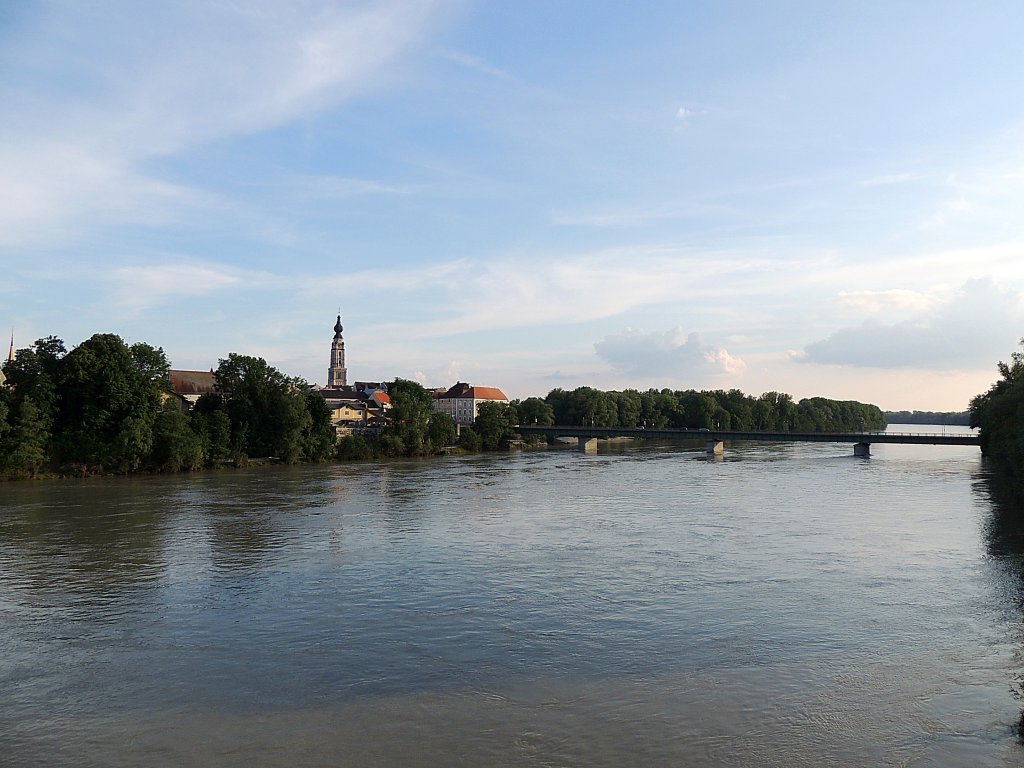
x=10 y=354
x=337 y=374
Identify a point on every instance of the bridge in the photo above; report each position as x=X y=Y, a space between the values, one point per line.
x=715 y=438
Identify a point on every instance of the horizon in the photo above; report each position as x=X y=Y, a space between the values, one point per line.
x=817 y=201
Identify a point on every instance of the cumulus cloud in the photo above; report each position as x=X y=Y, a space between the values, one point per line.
x=972 y=330
x=672 y=353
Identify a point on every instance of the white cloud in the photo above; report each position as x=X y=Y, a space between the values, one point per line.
x=972 y=330
x=476 y=64
x=137 y=288
x=145 y=86
x=673 y=353
x=896 y=300
x=344 y=187
x=892 y=179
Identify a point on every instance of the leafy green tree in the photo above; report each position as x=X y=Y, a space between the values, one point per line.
x=267 y=418
x=110 y=398
x=441 y=430
x=353 y=448
x=469 y=440
x=33 y=374
x=23 y=449
x=211 y=422
x=999 y=416
x=411 y=410
x=495 y=423
x=318 y=431
x=629 y=405
x=533 y=411
x=176 y=445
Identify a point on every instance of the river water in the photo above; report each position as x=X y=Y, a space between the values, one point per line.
x=790 y=605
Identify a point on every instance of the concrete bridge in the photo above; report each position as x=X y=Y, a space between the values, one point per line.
x=715 y=438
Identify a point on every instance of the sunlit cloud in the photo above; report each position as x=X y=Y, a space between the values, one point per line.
x=971 y=330
x=875 y=302
x=673 y=353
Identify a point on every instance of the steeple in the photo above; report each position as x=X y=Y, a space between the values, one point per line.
x=337 y=374
x=10 y=354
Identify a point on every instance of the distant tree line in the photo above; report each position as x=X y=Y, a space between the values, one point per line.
x=999 y=416
x=957 y=418
x=714 y=409
x=106 y=406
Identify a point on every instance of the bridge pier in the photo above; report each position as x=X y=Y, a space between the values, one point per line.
x=715 y=448
x=862 y=449
x=587 y=444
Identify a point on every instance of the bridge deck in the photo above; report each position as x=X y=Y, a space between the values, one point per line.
x=907 y=438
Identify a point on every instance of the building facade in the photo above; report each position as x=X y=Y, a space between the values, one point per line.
x=462 y=401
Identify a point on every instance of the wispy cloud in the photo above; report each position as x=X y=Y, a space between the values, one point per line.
x=888 y=180
x=476 y=64
x=345 y=187
x=876 y=302
x=136 y=288
x=198 y=72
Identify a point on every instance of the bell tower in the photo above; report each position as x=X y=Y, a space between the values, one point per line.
x=337 y=375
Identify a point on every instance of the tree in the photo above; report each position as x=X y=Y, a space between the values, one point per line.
x=24 y=446
x=411 y=409
x=266 y=417
x=176 y=445
x=211 y=422
x=318 y=431
x=469 y=440
x=33 y=373
x=999 y=416
x=535 y=411
x=495 y=423
x=109 y=402
x=441 y=430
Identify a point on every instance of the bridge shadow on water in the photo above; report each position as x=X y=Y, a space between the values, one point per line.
x=1004 y=540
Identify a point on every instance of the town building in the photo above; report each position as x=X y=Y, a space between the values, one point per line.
x=191 y=385
x=462 y=401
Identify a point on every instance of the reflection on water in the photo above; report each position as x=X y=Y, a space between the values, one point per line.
x=641 y=606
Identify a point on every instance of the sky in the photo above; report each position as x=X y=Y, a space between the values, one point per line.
x=823 y=199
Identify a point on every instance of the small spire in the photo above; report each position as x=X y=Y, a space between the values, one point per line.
x=337 y=326
x=10 y=354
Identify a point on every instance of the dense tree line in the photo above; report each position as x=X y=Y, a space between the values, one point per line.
x=105 y=406
x=715 y=409
x=956 y=418
x=999 y=416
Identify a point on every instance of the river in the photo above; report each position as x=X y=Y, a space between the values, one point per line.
x=790 y=605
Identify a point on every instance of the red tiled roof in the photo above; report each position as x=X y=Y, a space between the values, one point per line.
x=461 y=390
x=192 y=382
x=487 y=393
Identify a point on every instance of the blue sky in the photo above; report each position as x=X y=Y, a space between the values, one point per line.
x=815 y=198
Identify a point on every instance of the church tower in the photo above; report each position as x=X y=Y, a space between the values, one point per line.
x=337 y=375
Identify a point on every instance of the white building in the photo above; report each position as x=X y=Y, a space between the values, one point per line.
x=462 y=401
